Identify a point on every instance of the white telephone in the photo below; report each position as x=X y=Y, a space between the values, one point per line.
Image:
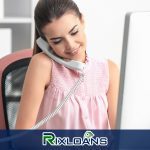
x=71 y=64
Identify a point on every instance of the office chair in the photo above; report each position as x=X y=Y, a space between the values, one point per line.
x=13 y=68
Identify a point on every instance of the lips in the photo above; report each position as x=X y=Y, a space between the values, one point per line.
x=73 y=52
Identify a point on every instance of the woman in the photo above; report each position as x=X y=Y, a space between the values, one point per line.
x=93 y=104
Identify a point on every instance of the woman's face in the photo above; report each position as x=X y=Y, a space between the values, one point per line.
x=66 y=37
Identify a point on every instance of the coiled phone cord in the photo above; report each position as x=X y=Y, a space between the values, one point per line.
x=52 y=114
x=48 y=117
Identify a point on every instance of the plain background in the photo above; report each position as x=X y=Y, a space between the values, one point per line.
x=105 y=24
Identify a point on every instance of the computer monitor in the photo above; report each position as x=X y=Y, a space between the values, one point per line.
x=134 y=92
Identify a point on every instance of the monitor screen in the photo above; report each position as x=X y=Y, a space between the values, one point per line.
x=134 y=92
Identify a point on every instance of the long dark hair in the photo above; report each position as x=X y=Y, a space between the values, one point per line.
x=47 y=10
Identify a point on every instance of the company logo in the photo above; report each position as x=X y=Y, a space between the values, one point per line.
x=49 y=138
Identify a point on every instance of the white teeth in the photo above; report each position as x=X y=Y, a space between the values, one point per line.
x=73 y=51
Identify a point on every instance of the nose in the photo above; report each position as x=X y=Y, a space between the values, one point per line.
x=70 y=44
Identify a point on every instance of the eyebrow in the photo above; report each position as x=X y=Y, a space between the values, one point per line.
x=55 y=38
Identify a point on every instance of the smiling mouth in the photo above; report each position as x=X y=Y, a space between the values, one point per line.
x=74 y=52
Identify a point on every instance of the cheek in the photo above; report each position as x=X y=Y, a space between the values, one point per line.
x=82 y=38
x=58 y=49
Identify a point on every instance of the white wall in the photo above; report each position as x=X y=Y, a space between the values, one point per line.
x=105 y=24
x=5 y=45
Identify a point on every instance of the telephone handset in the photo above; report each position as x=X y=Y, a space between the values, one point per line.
x=71 y=64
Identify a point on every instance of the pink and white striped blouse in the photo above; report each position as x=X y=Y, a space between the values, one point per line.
x=87 y=107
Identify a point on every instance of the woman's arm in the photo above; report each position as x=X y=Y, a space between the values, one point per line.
x=36 y=80
x=112 y=93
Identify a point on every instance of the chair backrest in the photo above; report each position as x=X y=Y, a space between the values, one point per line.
x=12 y=72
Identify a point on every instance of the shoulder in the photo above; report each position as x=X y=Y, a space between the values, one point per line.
x=40 y=67
x=41 y=60
x=113 y=70
x=109 y=64
x=113 y=67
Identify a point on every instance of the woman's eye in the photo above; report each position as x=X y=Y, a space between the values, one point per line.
x=74 y=33
x=56 y=42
